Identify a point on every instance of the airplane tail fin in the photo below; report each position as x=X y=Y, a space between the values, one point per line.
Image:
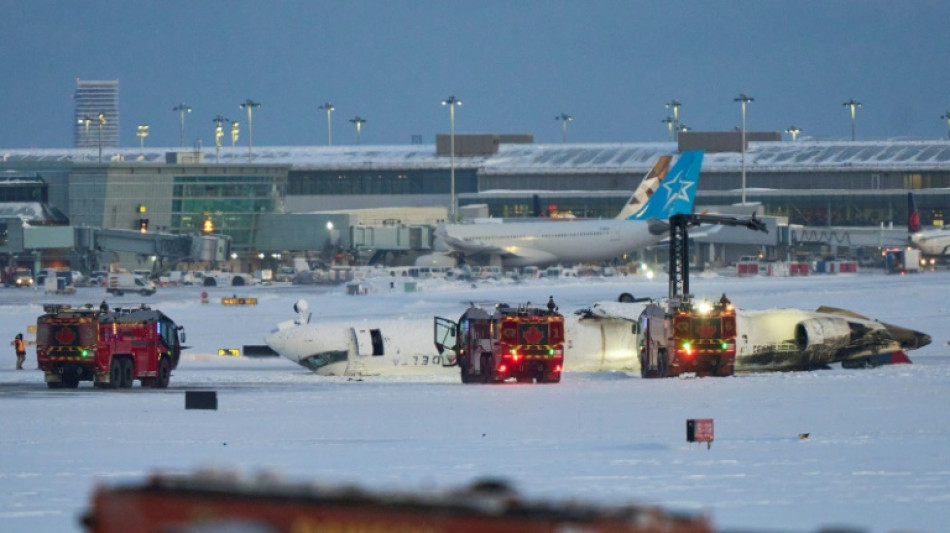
x=647 y=187
x=676 y=194
x=913 y=215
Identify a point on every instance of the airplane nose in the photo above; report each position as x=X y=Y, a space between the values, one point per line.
x=277 y=342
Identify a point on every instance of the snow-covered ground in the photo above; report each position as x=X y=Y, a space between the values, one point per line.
x=876 y=458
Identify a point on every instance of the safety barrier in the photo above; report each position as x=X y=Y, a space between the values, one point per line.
x=238 y=301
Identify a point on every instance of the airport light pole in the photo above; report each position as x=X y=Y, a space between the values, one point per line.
x=452 y=101
x=182 y=108
x=250 y=105
x=358 y=122
x=564 y=118
x=793 y=131
x=235 y=133
x=946 y=116
x=328 y=107
x=853 y=105
x=142 y=133
x=669 y=127
x=85 y=120
x=102 y=122
x=218 y=133
x=743 y=99
x=674 y=104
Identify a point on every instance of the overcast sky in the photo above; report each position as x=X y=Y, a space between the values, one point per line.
x=516 y=65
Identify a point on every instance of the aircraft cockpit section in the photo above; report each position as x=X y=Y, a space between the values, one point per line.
x=323 y=359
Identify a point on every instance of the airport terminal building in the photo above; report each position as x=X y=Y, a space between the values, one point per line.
x=306 y=198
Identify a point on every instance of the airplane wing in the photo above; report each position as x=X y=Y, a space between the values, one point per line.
x=471 y=247
x=838 y=311
x=909 y=339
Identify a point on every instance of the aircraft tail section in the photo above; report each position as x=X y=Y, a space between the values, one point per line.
x=647 y=187
x=676 y=194
x=913 y=215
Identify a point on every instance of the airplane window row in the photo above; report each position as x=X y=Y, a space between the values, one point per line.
x=546 y=235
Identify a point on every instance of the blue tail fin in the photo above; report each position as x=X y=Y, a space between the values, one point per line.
x=677 y=192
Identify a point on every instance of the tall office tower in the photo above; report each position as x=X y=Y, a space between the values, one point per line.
x=93 y=98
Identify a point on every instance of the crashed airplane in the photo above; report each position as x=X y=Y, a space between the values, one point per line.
x=604 y=337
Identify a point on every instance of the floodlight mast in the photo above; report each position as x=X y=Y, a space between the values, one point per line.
x=564 y=118
x=852 y=104
x=743 y=99
x=452 y=101
x=329 y=108
x=182 y=108
x=250 y=105
x=358 y=122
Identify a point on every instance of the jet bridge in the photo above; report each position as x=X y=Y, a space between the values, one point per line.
x=169 y=247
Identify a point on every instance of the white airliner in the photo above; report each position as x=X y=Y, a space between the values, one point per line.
x=642 y=222
x=932 y=242
x=601 y=338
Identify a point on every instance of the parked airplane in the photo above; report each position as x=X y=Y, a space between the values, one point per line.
x=601 y=338
x=932 y=242
x=641 y=223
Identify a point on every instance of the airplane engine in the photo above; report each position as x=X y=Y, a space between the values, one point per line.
x=822 y=337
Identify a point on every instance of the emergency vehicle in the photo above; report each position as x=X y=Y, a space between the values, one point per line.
x=682 y=336
x=110 y=347
x=221 y=501
x=679 y=335
x=524 y=343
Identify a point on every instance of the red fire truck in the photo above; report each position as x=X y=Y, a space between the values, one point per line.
x=110 y=347
x=679 y=335
x=213 y=501
x=524 y=343
x=702 y=339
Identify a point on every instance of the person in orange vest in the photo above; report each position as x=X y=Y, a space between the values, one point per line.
x=20 y=345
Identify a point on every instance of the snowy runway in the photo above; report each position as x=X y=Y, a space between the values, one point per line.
x=875 y=458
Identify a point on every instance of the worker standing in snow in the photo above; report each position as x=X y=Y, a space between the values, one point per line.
x=20 y=346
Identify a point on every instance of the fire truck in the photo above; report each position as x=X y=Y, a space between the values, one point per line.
x=679 y=335
x=222 y=501
x=683 y=336
x=110 y=347
x=524 y=343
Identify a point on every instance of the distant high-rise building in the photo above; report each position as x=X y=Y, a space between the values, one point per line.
x=92 y=98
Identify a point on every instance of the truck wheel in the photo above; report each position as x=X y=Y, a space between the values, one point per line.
x=128 y=374
x=115 y=373
x=466 y=378
x=662 y=364
x=70 y=382
x=486 y=369
x=145 y=292
x=164 y=374
x=53 y=384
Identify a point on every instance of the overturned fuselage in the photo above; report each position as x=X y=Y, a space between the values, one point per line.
x=795 y=339
x=604 y=337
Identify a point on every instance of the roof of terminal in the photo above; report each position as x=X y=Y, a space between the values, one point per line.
x=799 y=156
